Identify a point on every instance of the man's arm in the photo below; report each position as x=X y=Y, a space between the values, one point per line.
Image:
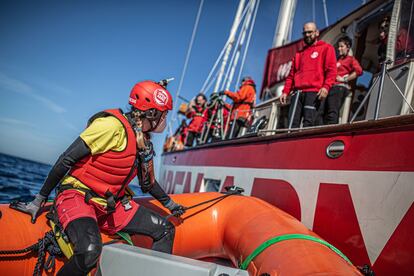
x=288 y=82
x=238 y=96
x=146 y=178
x=357 y=67
x=73 y=154
x=290 y=78
x=330 y=68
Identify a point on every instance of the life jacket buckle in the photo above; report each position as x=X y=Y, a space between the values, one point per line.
x=126 y=203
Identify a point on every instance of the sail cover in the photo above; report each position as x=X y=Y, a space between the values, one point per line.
x=278 y=63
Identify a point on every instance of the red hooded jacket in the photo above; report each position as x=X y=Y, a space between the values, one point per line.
x=313 y=67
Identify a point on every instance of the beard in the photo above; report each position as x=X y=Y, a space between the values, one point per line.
x=309 y=40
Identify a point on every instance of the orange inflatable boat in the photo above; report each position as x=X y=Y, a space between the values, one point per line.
x=245 y=230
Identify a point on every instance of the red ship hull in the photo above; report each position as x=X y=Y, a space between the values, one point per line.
x=361 y=201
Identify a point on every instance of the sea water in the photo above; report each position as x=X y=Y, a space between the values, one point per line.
x=21 y=179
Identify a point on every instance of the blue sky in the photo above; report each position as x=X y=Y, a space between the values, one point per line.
x=63 y=61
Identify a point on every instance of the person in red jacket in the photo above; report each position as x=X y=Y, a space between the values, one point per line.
x=93 y=176
x=196 y=114
x=243 y=102
x=348 y=69
x=313 y=73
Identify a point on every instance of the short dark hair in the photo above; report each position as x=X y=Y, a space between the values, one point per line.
x=346 y=40
x=202 y=95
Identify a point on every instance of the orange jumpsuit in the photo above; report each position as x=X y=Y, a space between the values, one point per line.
x=244 y=99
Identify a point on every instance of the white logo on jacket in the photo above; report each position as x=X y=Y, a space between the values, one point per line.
x=315 y=54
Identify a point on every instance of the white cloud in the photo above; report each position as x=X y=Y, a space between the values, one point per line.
x=11 y=121
x=53 y=87
x=20 y=87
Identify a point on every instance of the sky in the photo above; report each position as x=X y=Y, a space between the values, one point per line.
x=63 y=61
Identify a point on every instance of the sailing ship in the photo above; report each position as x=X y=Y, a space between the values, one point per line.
x=351 y=183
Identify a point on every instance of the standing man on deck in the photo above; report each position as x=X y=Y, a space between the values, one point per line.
x=196 y=112
x=313 y=73
x=93 y=176
x=348 y=69
x=243 y=102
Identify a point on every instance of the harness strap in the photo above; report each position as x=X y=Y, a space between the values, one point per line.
x=277 y=239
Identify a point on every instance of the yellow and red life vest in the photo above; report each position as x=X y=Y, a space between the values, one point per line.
x=108 y=171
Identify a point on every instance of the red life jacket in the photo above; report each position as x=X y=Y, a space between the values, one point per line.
x=108 y=170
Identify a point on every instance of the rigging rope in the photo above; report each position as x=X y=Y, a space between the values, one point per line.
x=241 y=40
x=203 y=90
x=325 y=11
x=187 y=58
x=247 y=44
x=226 y=76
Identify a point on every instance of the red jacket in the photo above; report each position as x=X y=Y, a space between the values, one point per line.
x=198 y=119
x=313 y=67
x=108 y=170
x=346 y=65
x=244 y=99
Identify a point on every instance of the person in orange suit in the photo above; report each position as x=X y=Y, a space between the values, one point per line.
x=243 y=102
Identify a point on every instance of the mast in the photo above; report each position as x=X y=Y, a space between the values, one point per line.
x=284 y=22
x=231 y=39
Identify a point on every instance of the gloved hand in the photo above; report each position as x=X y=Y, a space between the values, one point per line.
x=32 y=208
x=175 y=208
x=214 y=96
x=221 y=93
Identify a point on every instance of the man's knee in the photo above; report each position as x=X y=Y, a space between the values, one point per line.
x=166 y=228
x=87 y=257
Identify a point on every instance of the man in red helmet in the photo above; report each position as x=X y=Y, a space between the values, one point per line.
x=94 y=173
x=243 y=102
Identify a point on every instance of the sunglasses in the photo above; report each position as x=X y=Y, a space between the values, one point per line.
x=307 y=32
x=154 y=114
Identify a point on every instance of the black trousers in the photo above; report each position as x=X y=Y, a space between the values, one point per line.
x=213 y=135
x=238 y=125
x=85 y=236
x=191 y=136
x=309 y=107
x=334 y=102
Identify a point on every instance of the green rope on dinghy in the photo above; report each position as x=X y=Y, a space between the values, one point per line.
x=277 y=239
x=126 y=237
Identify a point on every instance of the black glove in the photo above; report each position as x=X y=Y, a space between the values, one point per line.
x=175 y=208
x=221 y=93
x=32 y=208
x=214 y=96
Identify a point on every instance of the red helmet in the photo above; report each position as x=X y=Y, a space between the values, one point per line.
x=146 y=95
x=248 y=81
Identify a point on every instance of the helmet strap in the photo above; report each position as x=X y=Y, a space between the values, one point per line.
x=139 y=135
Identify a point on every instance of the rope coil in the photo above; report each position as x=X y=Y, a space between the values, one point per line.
x=46 y=244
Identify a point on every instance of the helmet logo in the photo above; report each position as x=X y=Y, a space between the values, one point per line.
x=160 y=97
x=132 y=100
